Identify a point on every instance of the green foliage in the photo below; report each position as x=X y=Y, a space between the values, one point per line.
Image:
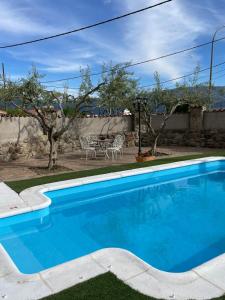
x=158 y=99
x=192 y=92
x=15 y=112
x=86 y=84
x=29 y=94
x=26 y=92
x=119 y=90
x=166 y=102
x=69 y=112
x=186 y=94
x=47 y=107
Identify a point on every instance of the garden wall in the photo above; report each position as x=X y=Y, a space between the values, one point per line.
x=23 y=135
x=197 y=129
x=13 y=129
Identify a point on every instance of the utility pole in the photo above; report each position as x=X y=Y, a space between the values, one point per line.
x=4 y=80
x=212 y=59
x=3 y=74
x=139 y=126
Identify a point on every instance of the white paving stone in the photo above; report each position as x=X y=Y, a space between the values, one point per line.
x=10 y=202
x=22 y=287
x=34 y=198
x=213 y=271
x=183 y=288
x=120 y=262
x=71 y=273
x=62 y=184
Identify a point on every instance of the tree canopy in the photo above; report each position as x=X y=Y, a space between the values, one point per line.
x=120 y=89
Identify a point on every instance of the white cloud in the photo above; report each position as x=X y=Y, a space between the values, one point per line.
x=163 y=30
x=55 y=61
x=60 y=66
x=18 y=20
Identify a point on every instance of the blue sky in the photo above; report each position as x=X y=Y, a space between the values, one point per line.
x=176 y=25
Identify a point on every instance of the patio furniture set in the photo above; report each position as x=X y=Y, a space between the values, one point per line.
x=94 y=145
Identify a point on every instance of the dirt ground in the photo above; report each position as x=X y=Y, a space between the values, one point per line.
x=75 y=161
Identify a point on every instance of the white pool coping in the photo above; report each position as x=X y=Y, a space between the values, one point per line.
x=204 y=282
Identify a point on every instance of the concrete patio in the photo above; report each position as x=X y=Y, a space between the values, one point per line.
x=24 y=168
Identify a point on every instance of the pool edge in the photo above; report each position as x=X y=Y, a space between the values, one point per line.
x=203 y=282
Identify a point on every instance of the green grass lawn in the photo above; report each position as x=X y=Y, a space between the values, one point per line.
x=103 y=287
x=106 y=286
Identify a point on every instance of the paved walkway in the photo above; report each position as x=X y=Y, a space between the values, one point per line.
x=23 y=168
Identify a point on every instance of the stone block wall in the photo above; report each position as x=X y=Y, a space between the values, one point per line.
x=205 y=138
x=198 y=128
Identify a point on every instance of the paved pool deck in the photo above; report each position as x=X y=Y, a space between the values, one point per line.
x=24 y=168
x=204 y=282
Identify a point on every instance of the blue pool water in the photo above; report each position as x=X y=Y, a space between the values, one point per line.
x=172 y=219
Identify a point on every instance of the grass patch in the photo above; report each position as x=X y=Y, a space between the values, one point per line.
x=21 y=185
x=102 y=287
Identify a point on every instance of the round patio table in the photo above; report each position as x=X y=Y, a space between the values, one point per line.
x=102 y=146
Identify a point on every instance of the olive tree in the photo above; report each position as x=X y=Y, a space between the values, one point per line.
x=47 y=107
x=120 y=90
x=165 y=102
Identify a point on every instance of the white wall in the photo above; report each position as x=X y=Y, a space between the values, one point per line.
x=13 y=129
x=211 y=120
x=177 y=121
x=106 y=125
x=214 y=120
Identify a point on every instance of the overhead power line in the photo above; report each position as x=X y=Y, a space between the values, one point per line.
x=163 y=82
x=84 y=27
x=139 y=62
x=184 y=76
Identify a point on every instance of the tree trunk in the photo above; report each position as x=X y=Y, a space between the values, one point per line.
x=153 y=150
x=52 y=153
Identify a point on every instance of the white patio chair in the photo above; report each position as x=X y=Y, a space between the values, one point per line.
x=87 y=147
x=92 y=139
x=102 y=148
x=117 y=146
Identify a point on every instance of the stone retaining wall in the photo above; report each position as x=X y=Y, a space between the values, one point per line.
x=198 y=128
x=205 y=138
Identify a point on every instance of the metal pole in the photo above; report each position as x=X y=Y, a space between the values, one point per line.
x=211 y=68
x=3 y=78
x=139 y=128
x=211 y=60
x=3 y=74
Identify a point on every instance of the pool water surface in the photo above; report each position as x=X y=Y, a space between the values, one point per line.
x=172 y=219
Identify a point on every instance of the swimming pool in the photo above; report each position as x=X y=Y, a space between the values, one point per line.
x=172 y=219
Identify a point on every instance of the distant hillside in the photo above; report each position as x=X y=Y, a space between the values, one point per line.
x=218 y=97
